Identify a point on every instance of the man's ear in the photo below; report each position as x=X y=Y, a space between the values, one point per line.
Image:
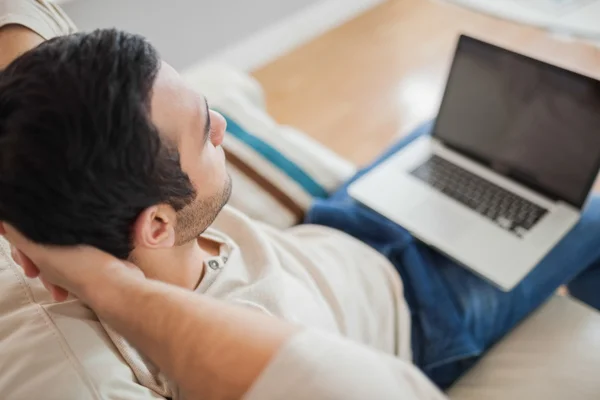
x=155 y=228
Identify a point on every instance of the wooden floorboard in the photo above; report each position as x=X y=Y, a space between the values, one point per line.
x=361 y=86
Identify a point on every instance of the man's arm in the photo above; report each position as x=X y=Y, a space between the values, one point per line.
x=14 y=41
x=214 y=350
x=210 y=349
x=24 y=24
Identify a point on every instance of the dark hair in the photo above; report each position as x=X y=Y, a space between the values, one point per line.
x=80 y=158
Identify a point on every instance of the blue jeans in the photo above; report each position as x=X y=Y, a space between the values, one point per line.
x=456 y=316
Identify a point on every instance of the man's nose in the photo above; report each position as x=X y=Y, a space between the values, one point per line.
x=219 y=125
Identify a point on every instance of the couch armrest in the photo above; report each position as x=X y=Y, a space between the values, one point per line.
x=553 y=354
x=217 y=80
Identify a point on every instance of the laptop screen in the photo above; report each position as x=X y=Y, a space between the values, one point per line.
x=533 y=122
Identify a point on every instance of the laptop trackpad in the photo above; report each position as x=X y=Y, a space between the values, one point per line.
x=438 y=219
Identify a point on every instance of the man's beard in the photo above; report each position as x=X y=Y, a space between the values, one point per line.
x=196 y=217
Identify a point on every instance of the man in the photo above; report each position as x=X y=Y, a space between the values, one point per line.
x=102 y=144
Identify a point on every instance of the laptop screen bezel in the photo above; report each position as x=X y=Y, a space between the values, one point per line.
x=481 y=160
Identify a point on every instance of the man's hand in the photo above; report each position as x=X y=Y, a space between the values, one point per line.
x=64 y=270
x=31 y=271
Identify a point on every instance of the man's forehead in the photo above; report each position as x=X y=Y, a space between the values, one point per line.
x=169 y=86
x=174 y=105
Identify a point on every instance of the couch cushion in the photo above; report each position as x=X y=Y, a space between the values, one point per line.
x=276 y=170
x=554 y=354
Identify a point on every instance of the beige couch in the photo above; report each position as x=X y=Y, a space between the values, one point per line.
x=554 y=354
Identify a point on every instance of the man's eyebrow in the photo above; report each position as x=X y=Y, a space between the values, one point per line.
x=207 y=124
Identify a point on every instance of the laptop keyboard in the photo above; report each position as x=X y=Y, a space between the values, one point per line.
x=509 y=211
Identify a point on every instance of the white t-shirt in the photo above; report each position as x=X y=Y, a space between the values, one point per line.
x=311 y=275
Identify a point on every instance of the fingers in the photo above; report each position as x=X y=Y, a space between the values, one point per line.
x=29 y=268
x=65 y=270
x=14 y=253
x=59 y=294
x=54 y=255
x=46 y=284
x=17 y=239
x=31 y=271
x=18 y=256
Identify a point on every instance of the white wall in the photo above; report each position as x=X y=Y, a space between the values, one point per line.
x=184 y=30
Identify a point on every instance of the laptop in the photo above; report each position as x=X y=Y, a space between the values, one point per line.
x=507 y=170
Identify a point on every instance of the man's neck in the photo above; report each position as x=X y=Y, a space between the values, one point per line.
x=182 y=266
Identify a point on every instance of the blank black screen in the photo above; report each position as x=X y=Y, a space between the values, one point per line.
x=534 y=122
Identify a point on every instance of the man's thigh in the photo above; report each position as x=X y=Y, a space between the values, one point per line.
x=488 y=313
x=456 y=315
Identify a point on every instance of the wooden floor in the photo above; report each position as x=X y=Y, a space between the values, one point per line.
x=364 y=84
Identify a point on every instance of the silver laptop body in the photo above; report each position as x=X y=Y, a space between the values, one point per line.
x=513 y=154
